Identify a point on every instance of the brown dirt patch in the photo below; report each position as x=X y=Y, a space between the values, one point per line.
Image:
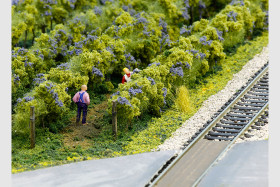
x=79 y=135
x=84 y=135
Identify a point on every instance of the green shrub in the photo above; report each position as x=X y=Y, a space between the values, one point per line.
x=97 y=45
x=51 y=103
x=191 y=57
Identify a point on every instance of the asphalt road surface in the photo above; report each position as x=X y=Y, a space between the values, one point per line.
x=133 y=170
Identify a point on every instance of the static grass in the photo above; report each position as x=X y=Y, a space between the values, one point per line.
x=183 y=101
x=145 y=135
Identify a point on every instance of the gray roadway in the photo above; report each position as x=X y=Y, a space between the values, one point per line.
x=246 y=164
x=133 y=170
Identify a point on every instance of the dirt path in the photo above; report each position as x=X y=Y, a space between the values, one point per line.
x=84 y=135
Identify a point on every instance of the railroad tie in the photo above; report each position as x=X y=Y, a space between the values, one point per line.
x=229 y=126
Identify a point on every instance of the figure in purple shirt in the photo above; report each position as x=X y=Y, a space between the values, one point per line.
x=82 y=100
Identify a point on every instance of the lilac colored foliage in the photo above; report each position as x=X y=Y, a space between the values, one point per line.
x=186 y=29
x=132 y=12
x=63 y=31
x=266 y=20
x=28 y=98
x=237 y=2
x=141 y=20
x=134 y=91
x=177 y=71
x=97 y=10
x=145 y=31
x=220 y=35
x=232 y=15
x=79 y=44
x=47 y=13
x=116 y=93
x=19 y=100
x=97 y=72
x=203 y=41
x=36 y=51
x=125 y=8
x=92 y=38
x=137 y=15
x=136 y=70
x=129 y=58
x=163 y=24
x=123 y=101
x=78 y=51
x=187 y=3
x=16 y=78
x=64 y=66
x=193 y=51
x=201 y=4
x=154 y=63
x=104 y=1
x=47 y=7
x=28 y=64
x=151 y=80
x=201 y=7
x=164 y=40
x=22 y=51
x=186 y=14
x=164 y=92
x=15 y=2
x=49 y=87
x=38 y=81
x=108 y=48
x=70 y=52
x=202 y=55
x=76 y=20
x=52 y=2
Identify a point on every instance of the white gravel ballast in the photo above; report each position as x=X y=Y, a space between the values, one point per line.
x=215 y=102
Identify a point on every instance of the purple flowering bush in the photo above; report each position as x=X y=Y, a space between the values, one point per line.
x=75 y=42
x=235 y=22
x=49 y=99
x=191 y=57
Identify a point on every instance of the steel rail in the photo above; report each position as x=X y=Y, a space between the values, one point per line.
x=232 y=142
x=212 y=124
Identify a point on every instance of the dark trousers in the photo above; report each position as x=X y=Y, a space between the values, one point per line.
x=81 y=107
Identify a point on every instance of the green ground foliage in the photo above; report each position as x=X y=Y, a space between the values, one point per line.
x=147 y=131
x=58 y=45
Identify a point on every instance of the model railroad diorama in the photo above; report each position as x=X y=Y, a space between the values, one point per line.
x=107 y=78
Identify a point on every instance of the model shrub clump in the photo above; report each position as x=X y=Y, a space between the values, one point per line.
x=59 y=45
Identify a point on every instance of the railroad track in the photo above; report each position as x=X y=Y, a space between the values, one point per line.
x=248 y=108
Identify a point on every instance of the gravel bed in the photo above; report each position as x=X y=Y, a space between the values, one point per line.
x=255 y=134
x=215 y=102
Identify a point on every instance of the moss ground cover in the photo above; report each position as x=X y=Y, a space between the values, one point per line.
x=145 y=134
